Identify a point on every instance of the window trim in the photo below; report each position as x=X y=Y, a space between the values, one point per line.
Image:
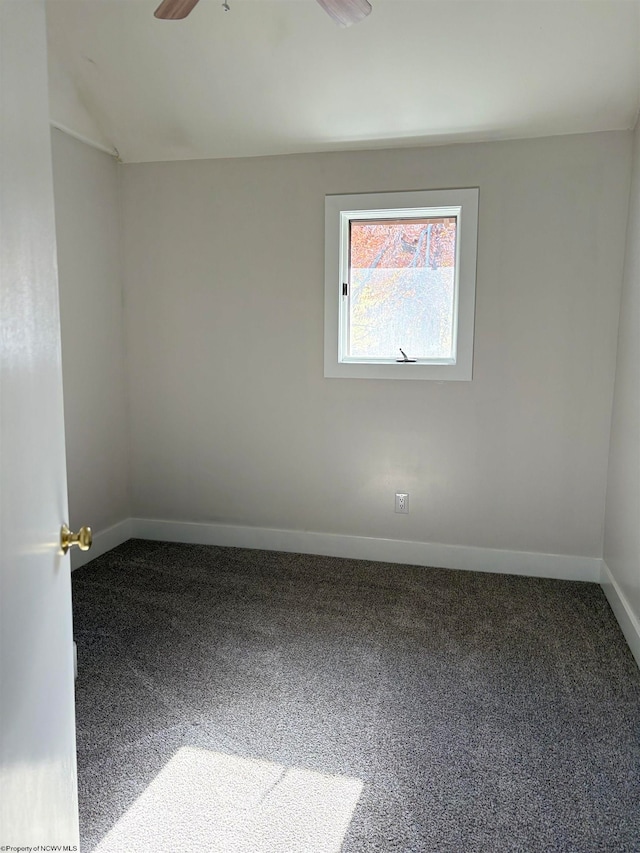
x=339 y=211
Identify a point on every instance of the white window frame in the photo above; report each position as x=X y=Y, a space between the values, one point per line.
x=340 y=210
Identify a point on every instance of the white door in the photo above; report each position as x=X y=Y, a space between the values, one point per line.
x=38 y=793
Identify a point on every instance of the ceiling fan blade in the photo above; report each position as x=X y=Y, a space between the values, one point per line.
x=174 y=10
x=346 y=12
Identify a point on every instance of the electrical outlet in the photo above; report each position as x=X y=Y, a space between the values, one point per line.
x=402 y=502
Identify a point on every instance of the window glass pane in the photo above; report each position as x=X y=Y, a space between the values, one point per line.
x=402 y=278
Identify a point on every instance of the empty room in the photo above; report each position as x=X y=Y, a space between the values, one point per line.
x=320 y=434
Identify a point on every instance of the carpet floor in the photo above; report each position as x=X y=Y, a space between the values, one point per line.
x=257 y=702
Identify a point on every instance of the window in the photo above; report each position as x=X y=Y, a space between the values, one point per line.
x=400 y=274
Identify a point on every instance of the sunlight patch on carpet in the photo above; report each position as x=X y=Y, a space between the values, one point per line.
x=203 y=800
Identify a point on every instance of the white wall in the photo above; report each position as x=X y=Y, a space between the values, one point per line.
x=622 y=526
x=93 y=345
x=232 y=420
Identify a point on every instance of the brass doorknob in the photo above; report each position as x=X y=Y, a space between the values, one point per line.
x=82 y=538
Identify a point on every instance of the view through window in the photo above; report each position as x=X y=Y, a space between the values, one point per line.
x=402 y=288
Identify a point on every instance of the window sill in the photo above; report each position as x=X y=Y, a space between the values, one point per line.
x=403 y=370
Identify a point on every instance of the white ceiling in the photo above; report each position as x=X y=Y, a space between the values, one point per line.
x=278 y=76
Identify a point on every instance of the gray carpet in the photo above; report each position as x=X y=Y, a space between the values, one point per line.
x=233 y=700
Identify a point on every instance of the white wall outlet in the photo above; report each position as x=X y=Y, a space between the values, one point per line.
x=402 y=502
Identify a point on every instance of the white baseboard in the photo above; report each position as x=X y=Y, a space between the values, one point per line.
x=628 y=621
x=103 y=541
x=432 y=554
x=560 y=566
